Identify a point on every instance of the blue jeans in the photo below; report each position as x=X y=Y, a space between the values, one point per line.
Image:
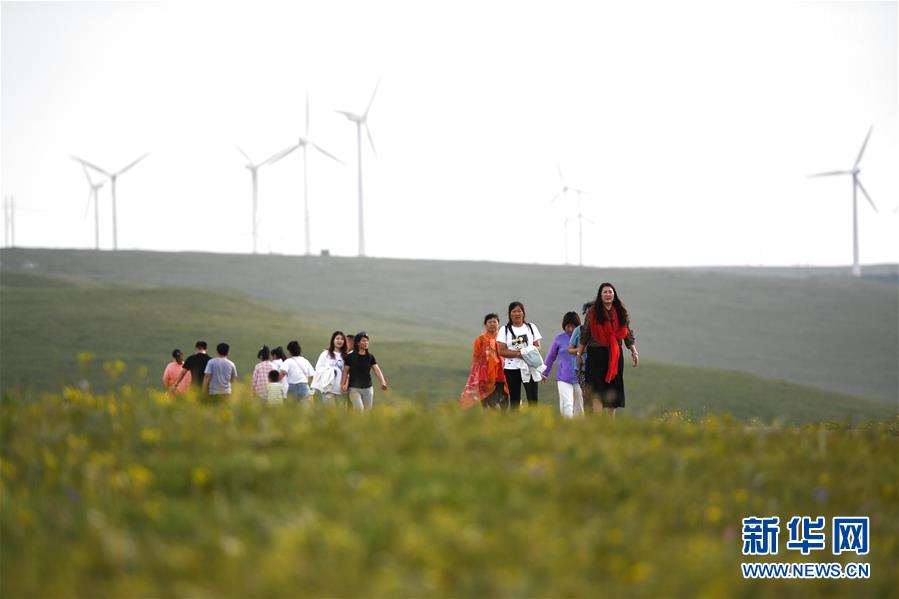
x=298 y=390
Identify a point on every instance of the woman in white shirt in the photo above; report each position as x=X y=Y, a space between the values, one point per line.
x=511 y=340
x=334 y=359
x=297 y=371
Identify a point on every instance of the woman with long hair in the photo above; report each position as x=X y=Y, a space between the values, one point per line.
x=260 y=373
x=606 y=327
x=511 y=340
x=332 y=361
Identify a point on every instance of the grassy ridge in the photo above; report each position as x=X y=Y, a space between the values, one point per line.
x=834 y=333
x=47 y=320
x=129 y=494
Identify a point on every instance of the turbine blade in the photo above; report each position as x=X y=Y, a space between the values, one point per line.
x=90 y=196
x=280 y=154
x=132 y=164
x=86 y=163
x=862 y=151
x=307 y=113
x=326 y=153
x=367 y=108
x=864 y=191
x=555 y=197
x=348 y=115
x=249 y=160
x=831 y=173
x=370 y=140
x=87 y=175
x=561 y=178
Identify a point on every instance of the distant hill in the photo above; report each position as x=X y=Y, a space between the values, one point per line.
x=831 y=332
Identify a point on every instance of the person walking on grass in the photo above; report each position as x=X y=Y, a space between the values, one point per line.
x=486 y=381
x=297 y=371
x=511 y=340
x=581 y=370
x=174 y=383
x=220 y=373
x=261 y=372
x=195 y=365
x=356 y=381
x=571 y=401
x=329 y=370
x=606 y=327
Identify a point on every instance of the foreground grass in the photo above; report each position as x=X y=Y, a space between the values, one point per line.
x=131 y=494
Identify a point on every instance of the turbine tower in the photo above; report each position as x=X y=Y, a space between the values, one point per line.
x=94 y=195
x=303 y=143
x=856 y=185
x=254 y=168
x=112 y=178
x=361 y=121
x=563 y=193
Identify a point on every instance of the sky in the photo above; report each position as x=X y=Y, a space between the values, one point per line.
x=691 y=127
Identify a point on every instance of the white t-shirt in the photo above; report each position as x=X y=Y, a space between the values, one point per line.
x=298 y=370
x=521 y=337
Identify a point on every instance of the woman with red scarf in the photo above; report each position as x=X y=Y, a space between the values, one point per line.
x=487 y=381
x=607 y=325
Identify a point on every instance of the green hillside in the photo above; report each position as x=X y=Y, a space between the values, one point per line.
x=830 y=332
x=48 y=320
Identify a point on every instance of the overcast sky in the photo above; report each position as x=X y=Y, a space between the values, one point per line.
x=692 y=125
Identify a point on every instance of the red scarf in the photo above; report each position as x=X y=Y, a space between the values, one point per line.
x=609 y=334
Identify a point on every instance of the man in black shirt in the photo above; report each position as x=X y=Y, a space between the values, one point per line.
x=196 y=365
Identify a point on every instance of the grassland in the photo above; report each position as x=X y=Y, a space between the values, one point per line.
x=48 y=320
x=831 y=332
x=128 y=494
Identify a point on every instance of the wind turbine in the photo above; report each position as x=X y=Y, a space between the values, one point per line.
x=361 y=121
x=856 y=185
x=112 y=177
x=94 y=194
x=254 y=168
x=303 y=143
x=563 y=193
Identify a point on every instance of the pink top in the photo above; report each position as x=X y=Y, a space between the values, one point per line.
x=172 y=371
x=260 y=379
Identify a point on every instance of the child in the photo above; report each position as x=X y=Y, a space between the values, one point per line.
x=275 y=391
x=571 y=400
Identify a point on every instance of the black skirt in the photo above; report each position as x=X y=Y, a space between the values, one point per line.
x=611 y=394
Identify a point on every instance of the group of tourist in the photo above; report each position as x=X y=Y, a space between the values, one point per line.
x=341 y=376
x=590 y=360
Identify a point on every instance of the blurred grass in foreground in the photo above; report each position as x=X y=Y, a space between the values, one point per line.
x=129 y=493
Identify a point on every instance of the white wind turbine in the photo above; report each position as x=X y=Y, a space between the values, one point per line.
x=563 y=193
x=93 y=195
x=856 y=185
x=304 y=142
x=361 y=121
x=254 y=168
x=112 y=178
